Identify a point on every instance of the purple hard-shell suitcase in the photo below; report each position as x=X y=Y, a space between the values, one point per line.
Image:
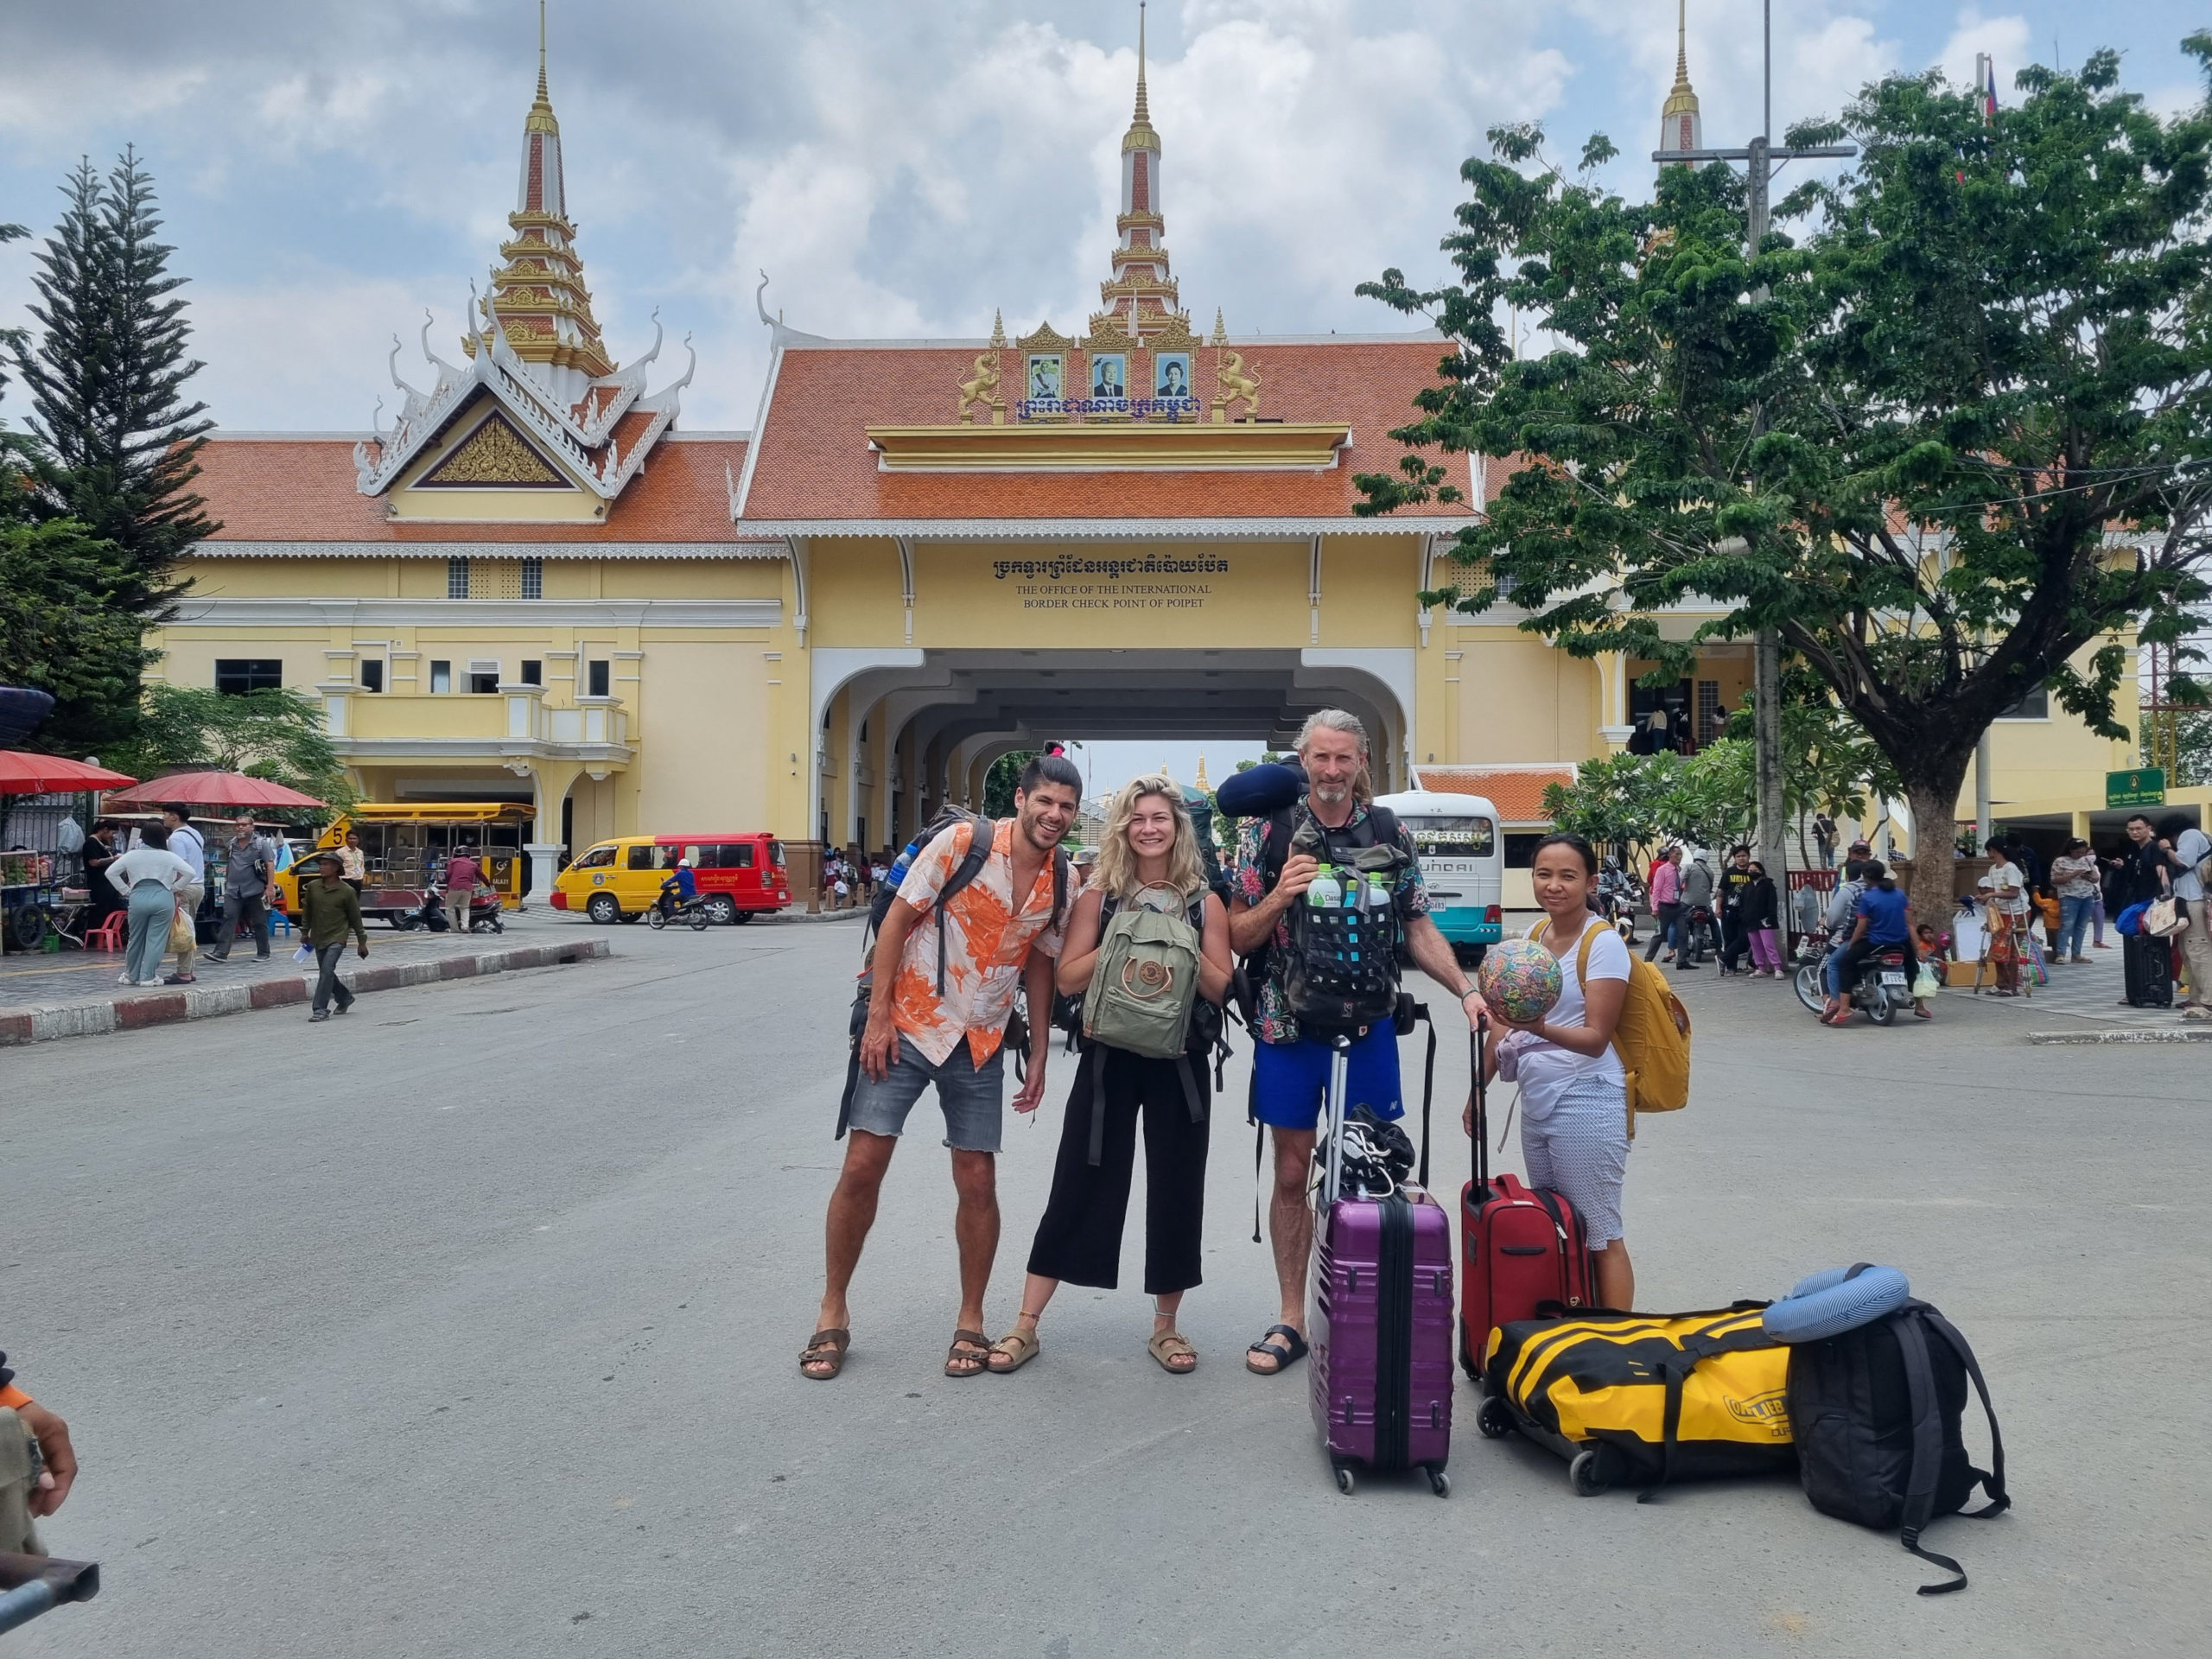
x=1379 y=1315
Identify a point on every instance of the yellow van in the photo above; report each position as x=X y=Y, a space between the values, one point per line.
x=739 y=874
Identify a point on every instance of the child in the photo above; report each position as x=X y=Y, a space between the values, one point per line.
x=1934 y=947
x=2048 y=907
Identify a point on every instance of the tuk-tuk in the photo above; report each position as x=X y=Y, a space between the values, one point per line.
x=404 y=845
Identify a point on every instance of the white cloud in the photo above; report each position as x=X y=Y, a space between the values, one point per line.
x=2005 y=38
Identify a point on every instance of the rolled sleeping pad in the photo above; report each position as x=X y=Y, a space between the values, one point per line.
x=1833 y=1301
x=1257 y=790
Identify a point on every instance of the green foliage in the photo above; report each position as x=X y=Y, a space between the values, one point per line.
x=276 y=735
x=1995 y=347
x=1829 y=763
x=116 y=445
x=1640 y=800
x=999 y=782
x=59 y=634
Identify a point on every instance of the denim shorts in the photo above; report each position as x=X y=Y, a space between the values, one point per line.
x=1291 y=1079
x=971 y=1097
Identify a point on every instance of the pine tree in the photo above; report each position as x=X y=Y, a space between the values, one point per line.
x=120 y=446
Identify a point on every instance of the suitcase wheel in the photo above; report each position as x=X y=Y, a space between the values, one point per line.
x=1344 y=1480
x=1439 y=1482
x=1584 y=1475
x=1494 y=1417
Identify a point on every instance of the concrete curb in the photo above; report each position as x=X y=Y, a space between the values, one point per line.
x=44 y=1024
x=2137 y=1034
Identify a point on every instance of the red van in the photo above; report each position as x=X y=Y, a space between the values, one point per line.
x=738 y=875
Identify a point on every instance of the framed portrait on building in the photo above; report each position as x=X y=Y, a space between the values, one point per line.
x=1172 y=369
x=1044 y=374
x=1109 y=375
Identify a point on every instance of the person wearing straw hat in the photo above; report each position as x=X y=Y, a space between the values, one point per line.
x=330 y=911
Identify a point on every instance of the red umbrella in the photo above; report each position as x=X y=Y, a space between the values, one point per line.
x=24 y=773
x=212 y=789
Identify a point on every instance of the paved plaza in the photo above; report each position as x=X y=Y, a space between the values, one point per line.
x=466 y=1326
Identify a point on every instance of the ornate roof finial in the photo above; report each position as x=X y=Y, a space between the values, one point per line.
x=540 y=118
x=1200 y=781
x=1220 y=336
x=998 y=328
x=1681 y=127
x=1141 y=135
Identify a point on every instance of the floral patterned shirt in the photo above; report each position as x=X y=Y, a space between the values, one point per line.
x=988 y=942
x=1248 y=880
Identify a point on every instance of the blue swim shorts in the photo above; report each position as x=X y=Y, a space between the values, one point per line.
x=1293 y=1078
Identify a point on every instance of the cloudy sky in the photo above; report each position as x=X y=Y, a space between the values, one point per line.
x=898 y=167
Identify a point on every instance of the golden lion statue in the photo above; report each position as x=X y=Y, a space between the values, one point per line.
x=981 y=388
x=1236 y=383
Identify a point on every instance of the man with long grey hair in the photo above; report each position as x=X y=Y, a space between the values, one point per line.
x=1290 y=1064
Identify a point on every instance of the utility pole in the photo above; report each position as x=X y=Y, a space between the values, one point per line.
x=1760 y=155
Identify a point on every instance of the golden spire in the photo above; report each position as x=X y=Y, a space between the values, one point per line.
x=1141 y=135
x=1203 y=786
x=1681 y=100
x=540 y=118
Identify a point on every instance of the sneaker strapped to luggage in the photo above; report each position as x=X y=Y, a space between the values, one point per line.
x=1525 y=1245
x=1877 y=1392
x=1379 y=1308
x=1643 y=1399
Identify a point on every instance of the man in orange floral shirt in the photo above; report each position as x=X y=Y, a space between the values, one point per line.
x=1001 y=932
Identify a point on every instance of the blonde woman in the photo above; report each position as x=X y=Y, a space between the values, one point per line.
x=1149 y=857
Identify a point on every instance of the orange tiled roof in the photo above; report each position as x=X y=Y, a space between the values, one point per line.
x=814 y=465
x=1517 y=793
x=288 y=489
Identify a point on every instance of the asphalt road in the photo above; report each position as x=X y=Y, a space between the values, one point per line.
x=466 y=1325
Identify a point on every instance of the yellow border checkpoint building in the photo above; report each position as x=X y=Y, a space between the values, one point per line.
x=534 y=585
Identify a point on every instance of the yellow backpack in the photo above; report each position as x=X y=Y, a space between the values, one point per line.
x=1653 y=1038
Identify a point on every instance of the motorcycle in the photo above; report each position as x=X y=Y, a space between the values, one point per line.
x=1883 y=989
x=430 y=914
x=692 y=911
x=1620 y=900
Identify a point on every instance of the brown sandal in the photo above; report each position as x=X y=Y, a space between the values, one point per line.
x=1167 y=1347
x=972 y=1360
x=825 y=1347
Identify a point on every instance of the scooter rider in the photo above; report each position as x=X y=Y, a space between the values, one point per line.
x=1885 y=923
x=679 y=891
x=1291 y=1065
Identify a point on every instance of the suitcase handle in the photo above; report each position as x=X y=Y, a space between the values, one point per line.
x=1475 y=1035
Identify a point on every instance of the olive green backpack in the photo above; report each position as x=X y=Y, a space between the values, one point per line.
x=1145 y=983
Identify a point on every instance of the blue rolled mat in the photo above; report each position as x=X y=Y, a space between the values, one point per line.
x=1835 y=1301
x=1257 y=790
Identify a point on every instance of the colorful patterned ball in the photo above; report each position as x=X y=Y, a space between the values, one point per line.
x=1520 y=979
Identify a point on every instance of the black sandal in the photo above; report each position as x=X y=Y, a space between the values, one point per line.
x=1284 y=1358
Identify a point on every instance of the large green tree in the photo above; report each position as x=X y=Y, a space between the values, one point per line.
x=277 y=735
x=118 y=443
x=1951 y=444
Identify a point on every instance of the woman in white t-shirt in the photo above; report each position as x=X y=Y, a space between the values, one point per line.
x=1573 y=1092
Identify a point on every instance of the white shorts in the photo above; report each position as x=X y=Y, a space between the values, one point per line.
x=1581 y=1150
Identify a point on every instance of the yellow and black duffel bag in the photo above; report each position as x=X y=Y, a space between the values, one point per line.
x=1642 y=1398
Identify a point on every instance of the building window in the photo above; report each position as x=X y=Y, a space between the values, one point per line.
x=457 y=578
x=483 y=674
x=1521 y=851
x=441 y=675
x=2035 y=706
x=1711 y=722
x=533 y=672
x=372 y=675
x=597 y=680
x=236 y=676
x=533 y=578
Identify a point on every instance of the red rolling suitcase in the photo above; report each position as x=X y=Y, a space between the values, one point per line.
x=1524 y=1245
x=1378 y=1314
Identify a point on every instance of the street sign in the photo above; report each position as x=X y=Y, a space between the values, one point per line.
x=2145 y=786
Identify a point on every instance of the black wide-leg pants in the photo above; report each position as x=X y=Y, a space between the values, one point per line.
x=1079 y=1241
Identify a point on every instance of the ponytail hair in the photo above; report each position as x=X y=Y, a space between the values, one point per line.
x=1878 y=874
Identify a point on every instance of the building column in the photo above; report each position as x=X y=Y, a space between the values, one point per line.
x=550 y=781
x=1612 y=691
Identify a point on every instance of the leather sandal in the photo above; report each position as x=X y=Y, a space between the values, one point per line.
x=1017 y=1348
x=970 y=1355
x=1284 y=1358
x=825 y=1347
x=1168 y=1346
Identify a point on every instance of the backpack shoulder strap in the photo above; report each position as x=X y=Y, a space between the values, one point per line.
x=1384 y=822
x=1927 y=1467
x=1993 y=1481
x=1275 y=832
x=1059 y=885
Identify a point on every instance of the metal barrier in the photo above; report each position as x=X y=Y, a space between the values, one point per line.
x=31 y=1584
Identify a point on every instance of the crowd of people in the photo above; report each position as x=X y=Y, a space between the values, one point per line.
x=948 y=976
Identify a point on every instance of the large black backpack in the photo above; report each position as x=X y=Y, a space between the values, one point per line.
x=1876 y=1414
x=1341 y=969
x=982 y=832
